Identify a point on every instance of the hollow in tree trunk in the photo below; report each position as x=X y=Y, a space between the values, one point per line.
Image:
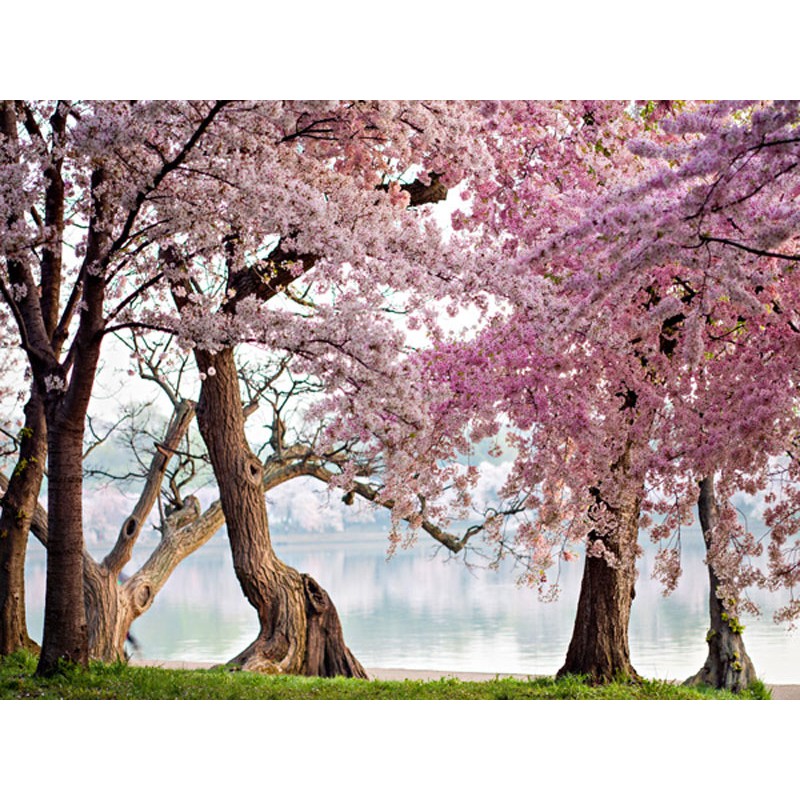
x=727 y=666
x=18 y=504
x=114 y=602
x=300 y=632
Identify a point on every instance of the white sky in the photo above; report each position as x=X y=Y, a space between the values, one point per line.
x=411 y=49
x=618 y=48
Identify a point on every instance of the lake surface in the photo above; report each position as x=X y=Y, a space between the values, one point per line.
x=421 y=610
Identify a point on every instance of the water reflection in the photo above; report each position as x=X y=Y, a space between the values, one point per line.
x=421 y=611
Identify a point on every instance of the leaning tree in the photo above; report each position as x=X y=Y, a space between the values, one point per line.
x=344 y=164
x=275 y=393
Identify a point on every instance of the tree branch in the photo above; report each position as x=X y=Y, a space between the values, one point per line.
x=179 y=424
x=755 y=251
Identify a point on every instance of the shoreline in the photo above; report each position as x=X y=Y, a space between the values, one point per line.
x=780 y=691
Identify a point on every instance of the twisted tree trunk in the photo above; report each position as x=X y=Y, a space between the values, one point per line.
x=112 y=605
x=300 y=632
x=727 y=666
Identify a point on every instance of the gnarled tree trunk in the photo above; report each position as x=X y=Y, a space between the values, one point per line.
x=599 y=646
x=727 y=666
x=300 y=632
x=113 y=604
x=18 y=504
x=108 y=614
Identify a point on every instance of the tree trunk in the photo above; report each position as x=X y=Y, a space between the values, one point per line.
x=113 y=605
x=599 y=646
x=65 y=630
x=300 y=632
x=18 y=504
x=727 y=666
x=66 y=395
x=108 y=613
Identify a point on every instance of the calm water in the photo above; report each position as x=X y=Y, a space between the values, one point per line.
x=419 y=610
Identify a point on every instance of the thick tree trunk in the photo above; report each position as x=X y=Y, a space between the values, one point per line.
x=599 y=646
x=727 y=666
x=113 y=605
x=18 y=504
x=65 y=630
x=300 y=631
x=109 y=614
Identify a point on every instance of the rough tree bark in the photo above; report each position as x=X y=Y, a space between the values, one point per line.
x=113 y=605
x=19 y=501
x=300 y=632
x=65 y=630
x=727 y=666
x=599 y=646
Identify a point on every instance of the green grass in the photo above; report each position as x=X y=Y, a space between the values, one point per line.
x=123 y=682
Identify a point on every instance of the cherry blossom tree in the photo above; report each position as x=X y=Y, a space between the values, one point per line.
x=75 y=197
x=638 y=297
x=719 y=209
x=583 y=417
x=676 y=292
x=631 y=350
x=345 y=157
x=108 y=206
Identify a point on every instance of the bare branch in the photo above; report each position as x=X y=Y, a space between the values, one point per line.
x=179 y=424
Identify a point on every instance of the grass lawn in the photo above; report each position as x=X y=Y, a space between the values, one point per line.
x=123 y=682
